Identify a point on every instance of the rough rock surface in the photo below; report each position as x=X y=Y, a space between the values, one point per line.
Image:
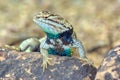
x=110 y=67
x=27 y=66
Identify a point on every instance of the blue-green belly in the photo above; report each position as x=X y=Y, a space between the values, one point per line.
x=65 y=52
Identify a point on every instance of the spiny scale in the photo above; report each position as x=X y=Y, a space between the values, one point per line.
x=54 y=21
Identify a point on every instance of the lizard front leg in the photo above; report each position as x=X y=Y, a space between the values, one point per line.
x=46 y=59
x=78 y=44
x=43 y=49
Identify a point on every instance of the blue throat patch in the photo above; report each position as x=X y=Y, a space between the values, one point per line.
x=66 y=35
x=52 y=36
x=66 y=52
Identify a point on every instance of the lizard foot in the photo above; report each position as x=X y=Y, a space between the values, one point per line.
x=86 y=60
x=46 y=61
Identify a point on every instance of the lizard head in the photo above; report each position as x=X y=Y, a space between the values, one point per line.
x=51 y=24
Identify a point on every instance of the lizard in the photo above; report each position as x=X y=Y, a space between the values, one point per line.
x=60 y=38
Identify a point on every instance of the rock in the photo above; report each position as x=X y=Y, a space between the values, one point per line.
x=27 y=66
x=110 y=67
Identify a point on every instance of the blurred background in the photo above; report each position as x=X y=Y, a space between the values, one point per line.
x=96 y=22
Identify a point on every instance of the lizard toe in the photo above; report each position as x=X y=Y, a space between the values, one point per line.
x=46 y=61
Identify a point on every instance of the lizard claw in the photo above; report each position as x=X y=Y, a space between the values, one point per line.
x=46 y=61
x=86 y=60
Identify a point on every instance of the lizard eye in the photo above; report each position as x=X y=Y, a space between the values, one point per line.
x=45 y=12
x=40 y=16
x=45 y=17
